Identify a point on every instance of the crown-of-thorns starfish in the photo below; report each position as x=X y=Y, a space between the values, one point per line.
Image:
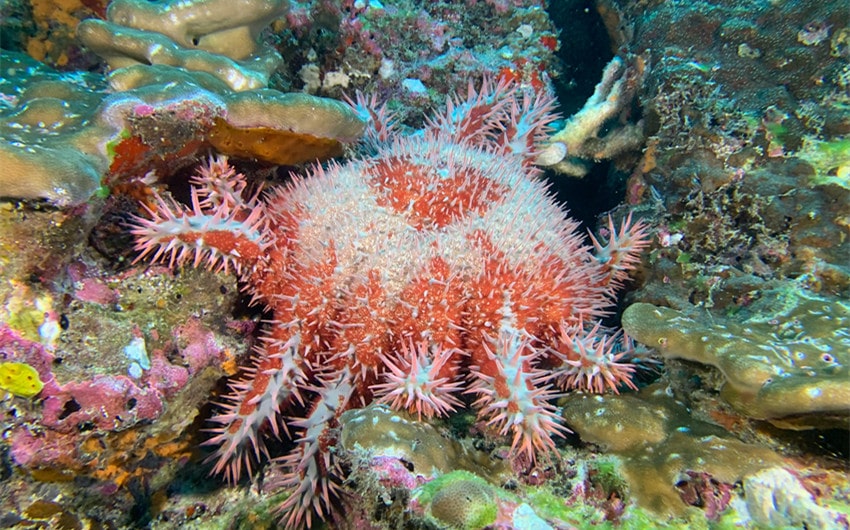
x=433 y=266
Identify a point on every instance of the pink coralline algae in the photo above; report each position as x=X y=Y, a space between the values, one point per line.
x=104 y=402
x=107 y=402
x=434 y=267
x=101 y=403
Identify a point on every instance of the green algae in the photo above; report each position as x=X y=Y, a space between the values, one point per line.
x=553 y=507
x=830 y=159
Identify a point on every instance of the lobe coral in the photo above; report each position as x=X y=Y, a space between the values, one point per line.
x=433 y=267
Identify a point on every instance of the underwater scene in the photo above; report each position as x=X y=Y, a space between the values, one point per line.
x=424 y=264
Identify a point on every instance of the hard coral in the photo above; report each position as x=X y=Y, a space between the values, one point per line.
x=45 y=148
x=441 y=249
x=572 y=150
x=208 y=51
x=464 y=503
x=658 y=443
x=169 y=100
x=219 y=37
x=789 y=364
x=378 y=432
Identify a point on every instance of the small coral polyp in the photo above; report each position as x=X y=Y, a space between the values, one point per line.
x=435 y=265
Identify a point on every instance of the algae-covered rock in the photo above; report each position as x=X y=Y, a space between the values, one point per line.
x=461 y=500
x=776 y=499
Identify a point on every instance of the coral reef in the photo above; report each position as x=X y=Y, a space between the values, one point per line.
x=412 y=53
x=63 y=135
x=674 y=464
x=100 y=435
x=745 y=115
x=659 y=443
x=460 y=501
x=777 y=498
x=74 y=401
x=408 y=474
x=436 y=265
x=376 y=432
x=45 y=30
x=404 y=338
x=44 y=152
x=391 y=453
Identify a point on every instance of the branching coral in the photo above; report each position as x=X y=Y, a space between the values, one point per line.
x=572 y=150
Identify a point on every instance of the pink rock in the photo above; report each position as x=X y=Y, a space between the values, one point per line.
x=143 y=110
x=201 y=348
x=14 y=348
x=96 y=291
x=106 y=402
x=392 y=472
x=32 y=451
x=166 y=377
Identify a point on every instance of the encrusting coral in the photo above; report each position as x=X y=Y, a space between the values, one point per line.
x=376 y=433
x=435 y=266
x=675 y=464
x=44 y=151
x=659 y=443
x=789 y=364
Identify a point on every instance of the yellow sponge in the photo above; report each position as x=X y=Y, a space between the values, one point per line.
x=20 y=379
